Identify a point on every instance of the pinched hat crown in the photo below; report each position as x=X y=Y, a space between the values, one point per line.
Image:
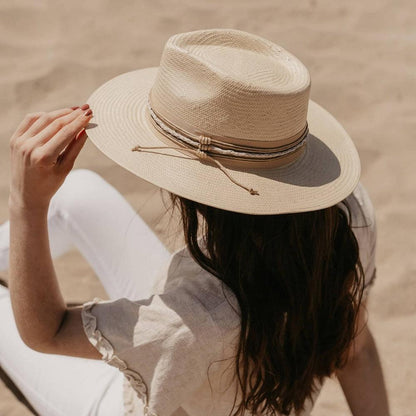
x=235 y=86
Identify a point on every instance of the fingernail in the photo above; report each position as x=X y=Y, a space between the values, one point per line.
x=88 y=112
x=74 y=108
x=84 y=106
x=81 y=134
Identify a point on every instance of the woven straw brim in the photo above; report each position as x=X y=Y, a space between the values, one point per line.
x=326 y=172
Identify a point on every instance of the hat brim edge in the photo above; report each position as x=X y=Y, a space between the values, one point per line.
x=120 y=122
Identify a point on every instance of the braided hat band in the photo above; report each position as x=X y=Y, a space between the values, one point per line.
x=222 y=148
x=204 y=149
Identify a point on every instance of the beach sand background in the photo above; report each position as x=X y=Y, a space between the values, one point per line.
x=362 y=60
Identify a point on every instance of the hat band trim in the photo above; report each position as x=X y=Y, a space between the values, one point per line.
x=203 y=148
x=206 y=143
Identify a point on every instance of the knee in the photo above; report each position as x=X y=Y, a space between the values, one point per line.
x=82 y=174
x=80 y=188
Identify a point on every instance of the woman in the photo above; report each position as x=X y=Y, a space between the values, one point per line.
x=266 y=298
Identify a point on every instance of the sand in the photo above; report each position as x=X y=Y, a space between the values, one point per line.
x=362 y=59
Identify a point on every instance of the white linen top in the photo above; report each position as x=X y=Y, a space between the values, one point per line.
x=166 y=344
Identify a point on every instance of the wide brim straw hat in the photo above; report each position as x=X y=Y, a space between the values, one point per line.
x=226 y=120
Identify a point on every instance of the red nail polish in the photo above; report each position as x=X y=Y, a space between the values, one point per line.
x=88 y=112
x=74 y=108
x=85 y=106
x=80 y=134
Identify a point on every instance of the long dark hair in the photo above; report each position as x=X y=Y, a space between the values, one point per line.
x=299 y=284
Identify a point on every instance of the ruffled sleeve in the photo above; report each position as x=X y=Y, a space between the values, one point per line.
x=163 y=345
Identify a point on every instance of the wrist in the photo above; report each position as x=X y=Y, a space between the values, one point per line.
x=17 y=207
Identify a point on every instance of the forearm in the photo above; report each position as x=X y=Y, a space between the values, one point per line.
x=37 y=302
x=363 y=383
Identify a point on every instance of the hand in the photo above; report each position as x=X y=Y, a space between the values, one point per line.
x=43 y=150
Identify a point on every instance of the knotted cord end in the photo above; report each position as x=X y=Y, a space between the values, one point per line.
x=201 y=153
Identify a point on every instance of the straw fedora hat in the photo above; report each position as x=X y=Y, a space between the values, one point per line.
x=226 y=120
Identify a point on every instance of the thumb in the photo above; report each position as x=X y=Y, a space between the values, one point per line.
x=73 y=148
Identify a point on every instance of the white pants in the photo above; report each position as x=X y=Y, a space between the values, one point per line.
x=90 y=214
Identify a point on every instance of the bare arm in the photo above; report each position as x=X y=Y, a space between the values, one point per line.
x=362 y=379
x=42 y=318
x=44 y=322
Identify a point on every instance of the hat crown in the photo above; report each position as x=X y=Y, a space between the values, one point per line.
x=231 y=84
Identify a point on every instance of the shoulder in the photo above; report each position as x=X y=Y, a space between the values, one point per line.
x=207 y=293
x=363 y=217
x=362 y=209
x=364 y=227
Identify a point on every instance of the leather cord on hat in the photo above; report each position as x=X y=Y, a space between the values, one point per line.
x=201 y=153
x=227 y=149
x=203 y=144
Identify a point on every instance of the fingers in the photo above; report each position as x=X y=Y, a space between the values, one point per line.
x=56 y=124
x=46 y=119
x=44 y=136
x=59 y=136
x=71 y=152
x=25 y=124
